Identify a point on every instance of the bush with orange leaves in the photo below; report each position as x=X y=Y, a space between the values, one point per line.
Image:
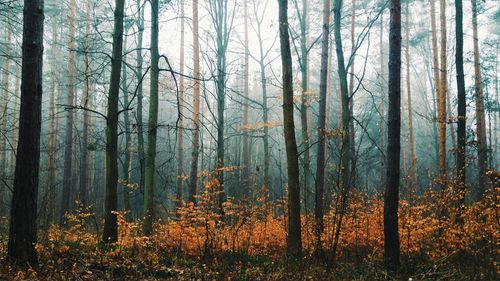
x=433 y=226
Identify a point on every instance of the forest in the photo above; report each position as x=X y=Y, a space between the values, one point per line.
x=249 y=140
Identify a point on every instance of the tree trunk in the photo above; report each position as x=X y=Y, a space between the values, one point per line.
x=294 y=241
x=193 y=174
x=462 y=109
x=435 y=64
x=180 y=121
x=352 y=148
x=382 y=102
x=306 y=99
x=345 y=153
x=246 y=149
x=413 y=159
x=149 y=181
x=320 y=157
x=138 y=76
x=110 y=231
x=482 y=149
x=442 y=92
x=128 y=138
x=391 y=198
x=84 y=166
x=23 y=213
x=68 y=144
x=52 y=138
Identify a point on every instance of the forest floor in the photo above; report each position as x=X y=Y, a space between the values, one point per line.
x=97 y=265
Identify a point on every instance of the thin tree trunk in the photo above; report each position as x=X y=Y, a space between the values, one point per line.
x=246 y=149
x=320 y=158
x=68 y=145
x=110 y=231
x=462 y=109
x=413 y=159
x=435 y=64
x=23 y=214
x=180 y=121
x=294 y=241
x=382 y=101
x=138 y=75
x=128 y=138
x=149 y=181
x=391 y=199
x=84 y=166
x=52 y=138
x=352 y=148
x=482 y=148
x=304 y=106
x=193 y=176
x=442 y=92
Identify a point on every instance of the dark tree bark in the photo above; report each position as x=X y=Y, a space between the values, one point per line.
x=246 y=148
x=294 y=241
x=459 y=61
x=320 y=157
x=23 y=213
x=138 y=76
x=110 y=231
x=391 y=198
x=149 y=181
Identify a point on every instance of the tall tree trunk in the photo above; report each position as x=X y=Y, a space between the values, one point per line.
x=320 y=157
x=84 y=166
x=68 y=145
x=413 y=159
x=23 y=213
x=462 y=109
x=149 y=181
x=482 y=149
x=306 y=99
x=345 y=159
x=382 y=102
x=352 y=148
x=294 y=241
x=138 y=74
x=128 y=138
x=180 y=121
x=246 y=148
x=435 y=67
x=110 y=231
x=391 y=198
x=52 y=138
x=442 y=92
x=193 y=174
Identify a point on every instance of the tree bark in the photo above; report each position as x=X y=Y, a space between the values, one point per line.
x=246 y=148
x=193 y=176
x=138 y=75
x=462 y=109
x=149 y=181
x=320 y=157
x=442 y=92
x=391 y=198
x=180 y=121
x=84 y=166
x=435 y=64
x=482 y=148
x=128 y=138
x=294 y=241
x=68 y=143
x=110 y=231
x=23 y=214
